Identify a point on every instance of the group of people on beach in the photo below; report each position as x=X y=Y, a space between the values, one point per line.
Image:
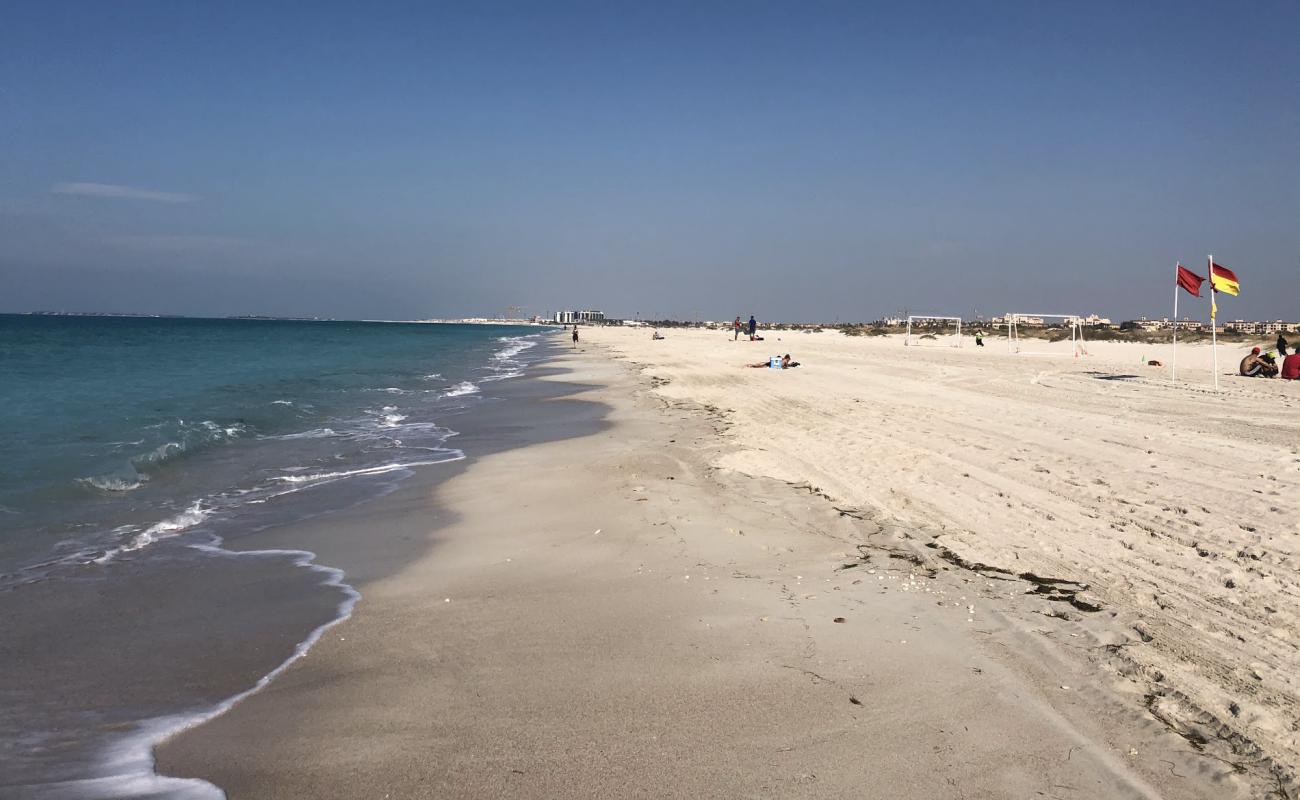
x=775 y=362
x=752 y=327
x=1265 y=365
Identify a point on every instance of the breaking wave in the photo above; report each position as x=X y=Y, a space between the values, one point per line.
x=380 y=469
x=167 y=528
x=461 y=389
x=109 y=483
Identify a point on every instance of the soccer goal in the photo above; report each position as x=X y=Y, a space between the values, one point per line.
x=1073 y=322
x=931 y=330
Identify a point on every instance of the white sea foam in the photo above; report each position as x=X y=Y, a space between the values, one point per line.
x=109 y=483
x=188 y=518
x=388 y=416
x=503 y=363
x=314 y=433
x=461 y=389
x=189 y=434
x=167 y=528
x=281 y=402
x=129 y=762
x=216 y=431
x=380 y=469
x=160 y=453
x=514 y=346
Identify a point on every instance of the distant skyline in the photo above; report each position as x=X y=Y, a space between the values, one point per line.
x=796 y=161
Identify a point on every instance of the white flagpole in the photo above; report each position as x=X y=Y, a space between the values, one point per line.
x=1173 y=360
x=1214 y=334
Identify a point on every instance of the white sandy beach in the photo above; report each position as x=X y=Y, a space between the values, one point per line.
x=727 y=592
x=1179 y=508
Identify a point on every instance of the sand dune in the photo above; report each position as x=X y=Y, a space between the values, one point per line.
x=1178 y=507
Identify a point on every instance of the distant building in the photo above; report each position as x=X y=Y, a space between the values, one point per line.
x=570 y=317
x=1145 y=324
x=1030 y=321
x=1278 y=326
x=1245 y=326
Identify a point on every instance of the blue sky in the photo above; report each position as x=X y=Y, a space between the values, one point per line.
x=793 y=160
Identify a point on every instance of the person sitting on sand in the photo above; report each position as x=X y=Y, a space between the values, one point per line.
x=1291 y=366
x=657 y=335
x=1256 y=366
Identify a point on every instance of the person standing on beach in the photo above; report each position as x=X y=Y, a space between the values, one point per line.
x=575 y=334
x=736 y=327
x=753 y=326
x=1281 y=345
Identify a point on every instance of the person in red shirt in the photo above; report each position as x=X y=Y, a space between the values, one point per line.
x=1291 y=367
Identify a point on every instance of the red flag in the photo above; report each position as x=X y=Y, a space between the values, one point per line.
x=1190 y=281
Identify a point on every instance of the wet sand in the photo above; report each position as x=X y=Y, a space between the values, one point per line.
x=611 y=614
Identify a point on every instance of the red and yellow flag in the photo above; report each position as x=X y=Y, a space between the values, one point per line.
x=1224 y=280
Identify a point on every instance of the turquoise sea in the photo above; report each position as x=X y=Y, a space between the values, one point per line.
x=119 y=431
x=135 y=453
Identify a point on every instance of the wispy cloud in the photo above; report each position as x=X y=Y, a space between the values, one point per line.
x=179 y=244
x=117 y=192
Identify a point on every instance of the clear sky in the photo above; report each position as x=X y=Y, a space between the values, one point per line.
x=793 y=160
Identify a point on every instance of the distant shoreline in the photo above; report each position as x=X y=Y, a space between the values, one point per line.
x=264 y=318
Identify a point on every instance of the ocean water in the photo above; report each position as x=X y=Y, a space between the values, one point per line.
x=117 y=432
x=132 y=450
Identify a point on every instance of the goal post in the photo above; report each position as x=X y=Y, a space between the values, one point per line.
x=933 y=326
x=1073 y=322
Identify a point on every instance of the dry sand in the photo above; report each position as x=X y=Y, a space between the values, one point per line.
x=1179 y=508
x=616 y=616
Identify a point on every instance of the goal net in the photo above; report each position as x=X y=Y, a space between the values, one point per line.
x=935 y=331
x=1057 y=335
